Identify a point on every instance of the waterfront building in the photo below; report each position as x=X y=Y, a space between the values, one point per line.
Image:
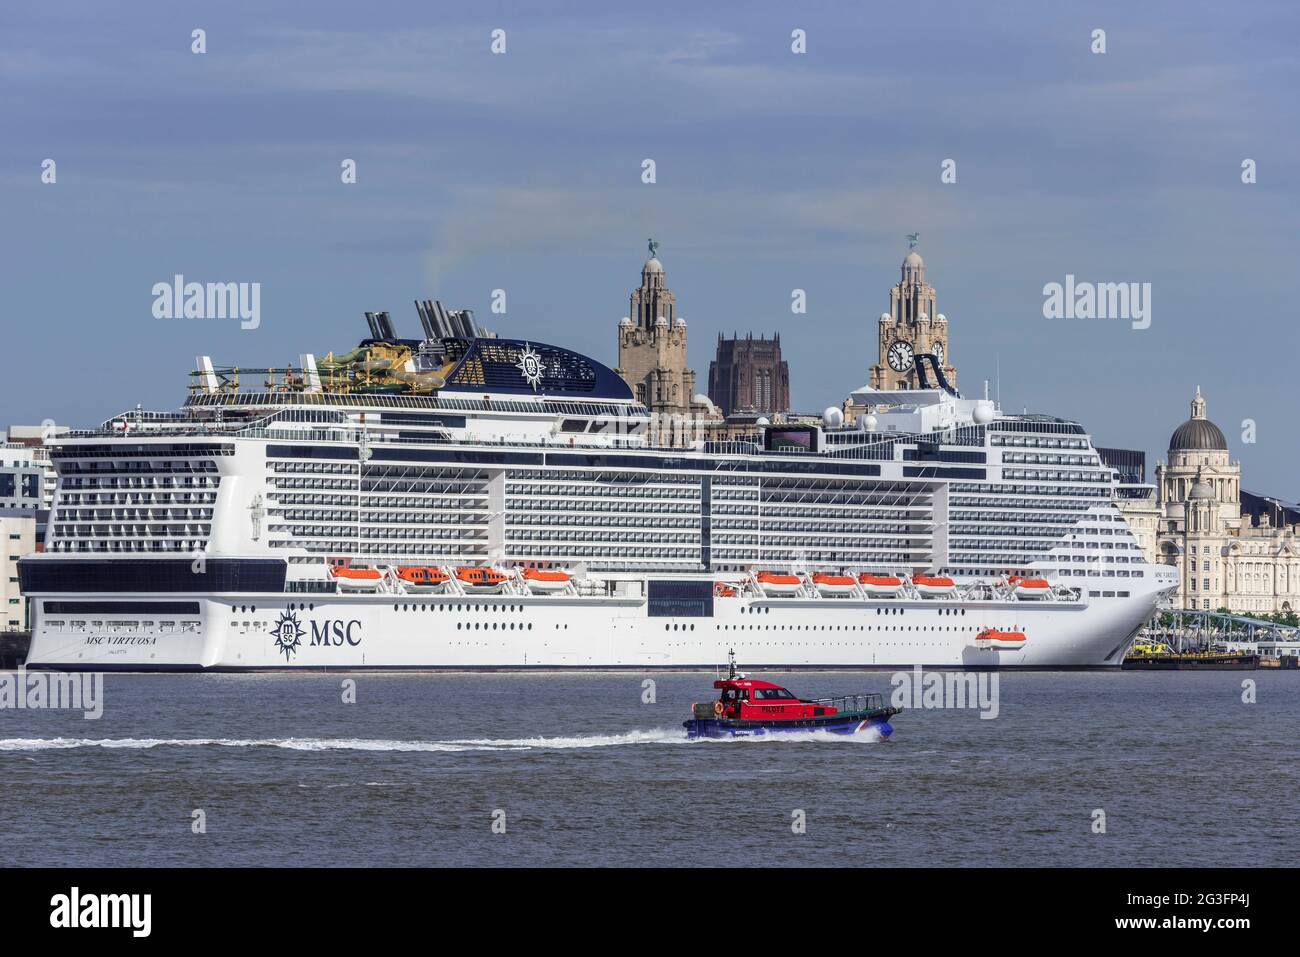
x=749 y=375
x=913 y=326
x=1136 y=497
x=20 y=532
x=33 y=438
x=652 y=360
x=1243 y=559
x=22 y=477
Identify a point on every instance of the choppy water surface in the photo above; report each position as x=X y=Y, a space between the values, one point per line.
x=412 y=773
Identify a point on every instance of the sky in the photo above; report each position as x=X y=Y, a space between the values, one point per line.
x=774 y=171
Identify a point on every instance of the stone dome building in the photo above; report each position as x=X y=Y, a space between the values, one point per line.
x=1225 y=559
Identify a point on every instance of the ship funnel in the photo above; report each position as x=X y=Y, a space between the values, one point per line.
x=373 y=323
x=311 y=376
x=385 y=326
x=426 y=321
x=439 y=322
x=207 y=377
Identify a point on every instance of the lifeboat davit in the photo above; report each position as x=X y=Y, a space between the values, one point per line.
x=356 y=579
x=543 y=582
x=486 y=581
x=929 y=586
x=1030 y=587
x=880 y=586
x=421 y=578
x=833 y=586
x=776 y=585
x=993 y=638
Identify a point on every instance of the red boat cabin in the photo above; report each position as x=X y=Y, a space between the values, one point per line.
x=747 y=699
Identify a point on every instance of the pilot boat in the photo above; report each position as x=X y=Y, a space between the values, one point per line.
x=747 y=706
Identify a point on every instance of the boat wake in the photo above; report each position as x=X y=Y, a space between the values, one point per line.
x=656 y=736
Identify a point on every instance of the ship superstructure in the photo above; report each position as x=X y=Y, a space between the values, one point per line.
x=463 y=500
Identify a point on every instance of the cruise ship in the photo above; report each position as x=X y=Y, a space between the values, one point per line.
x=468 y=501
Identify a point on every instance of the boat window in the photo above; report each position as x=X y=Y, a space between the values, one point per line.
x=771 y=694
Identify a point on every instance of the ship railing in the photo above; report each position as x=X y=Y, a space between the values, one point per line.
x=873 y=701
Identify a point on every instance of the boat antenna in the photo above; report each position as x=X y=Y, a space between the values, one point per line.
x=731 y=659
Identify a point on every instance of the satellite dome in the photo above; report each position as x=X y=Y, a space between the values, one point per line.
x=833 y=417
x=983 y=413
x=867 y=422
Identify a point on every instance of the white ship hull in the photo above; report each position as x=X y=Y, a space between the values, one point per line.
x=518 y=632
x=213 y=537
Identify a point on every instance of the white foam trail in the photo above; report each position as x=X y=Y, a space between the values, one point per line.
x=293 y=744
x=657 y=736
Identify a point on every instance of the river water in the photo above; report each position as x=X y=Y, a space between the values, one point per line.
x=1093 y=769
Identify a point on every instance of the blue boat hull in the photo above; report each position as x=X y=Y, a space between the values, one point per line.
x=859 y=722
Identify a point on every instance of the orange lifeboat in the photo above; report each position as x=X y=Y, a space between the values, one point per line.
x=542 y=582
x=1029 y=587
x=481 y=580
x=993 y=638
x=880 y=586
x=776 y=585
x=356 y=579
x=723 y=590
x=832 y=586
x=421 y=578
x=929 y=586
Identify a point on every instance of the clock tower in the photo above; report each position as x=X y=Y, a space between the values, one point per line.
x=913 y=325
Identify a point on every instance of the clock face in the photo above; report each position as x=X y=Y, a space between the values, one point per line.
x=900 y=356
x=937 y=349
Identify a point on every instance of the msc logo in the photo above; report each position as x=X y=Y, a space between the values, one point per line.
x=530 y=364
x=336 y=632
x=288 y=633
